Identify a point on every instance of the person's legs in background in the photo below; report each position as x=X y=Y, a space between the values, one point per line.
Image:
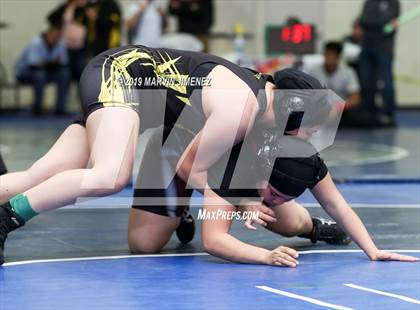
x=38 y=79
x=204 y=38
x=369 y=83
x=388 y=91
x=61 y=77
x=77 y=62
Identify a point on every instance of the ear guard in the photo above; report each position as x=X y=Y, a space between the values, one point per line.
x=290 y=164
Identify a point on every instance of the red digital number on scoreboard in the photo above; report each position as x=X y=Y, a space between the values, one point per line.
x=299 y=39
x=296 y=34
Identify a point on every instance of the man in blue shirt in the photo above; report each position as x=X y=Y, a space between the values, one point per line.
x=44 y=60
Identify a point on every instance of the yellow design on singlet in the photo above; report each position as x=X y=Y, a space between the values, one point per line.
x=113 y=92
x=167 y=70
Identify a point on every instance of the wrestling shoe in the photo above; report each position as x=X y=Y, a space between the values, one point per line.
x=328 y=231
x=186 y=229
x=9 y=221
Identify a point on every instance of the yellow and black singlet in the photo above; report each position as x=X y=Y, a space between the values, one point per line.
x=122 y=77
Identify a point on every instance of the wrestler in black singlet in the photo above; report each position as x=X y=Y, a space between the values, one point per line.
x=176 y=195
x=120 y=77
x=117 y=77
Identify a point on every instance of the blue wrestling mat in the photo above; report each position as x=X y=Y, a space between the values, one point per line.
x=324 y=279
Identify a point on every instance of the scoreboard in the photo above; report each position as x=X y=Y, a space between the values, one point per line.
x=290 y=39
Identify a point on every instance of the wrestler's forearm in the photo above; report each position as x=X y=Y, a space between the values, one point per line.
x=226 y=246
x=216 y=238
x=354 y=227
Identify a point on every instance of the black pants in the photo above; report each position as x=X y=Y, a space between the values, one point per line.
x=376 y=64
x=77 y=62
x=3 y=169
x=39 y=78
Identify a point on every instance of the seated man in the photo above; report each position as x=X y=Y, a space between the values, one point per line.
x=340 y=78
x=43 y=61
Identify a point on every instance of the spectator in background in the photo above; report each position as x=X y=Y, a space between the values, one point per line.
x=352 y=45
x=377 y=56
x=44 y=60
x=338 y=77
x=145 y=22
x=194 y=17
x=72 y=14
x=103 y=26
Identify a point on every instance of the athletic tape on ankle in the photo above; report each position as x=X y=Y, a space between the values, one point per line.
x=21 y=206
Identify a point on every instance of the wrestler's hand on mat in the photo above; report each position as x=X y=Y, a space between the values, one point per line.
x=388 y=256
x=265 y=214
x=283 y=256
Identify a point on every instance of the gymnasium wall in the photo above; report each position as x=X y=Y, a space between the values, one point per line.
x=332 y=17
x=25 y=18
